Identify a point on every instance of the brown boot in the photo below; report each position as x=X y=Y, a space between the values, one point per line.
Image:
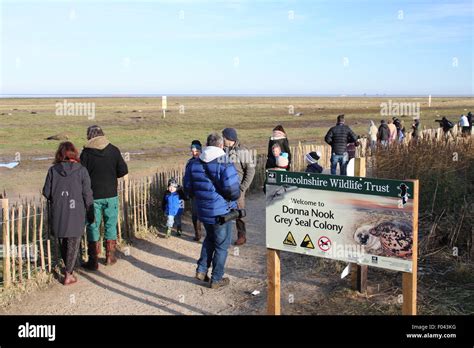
x=110 y=258
x=197 y=231
x=69 y=279
x=93 y=262
x=241 y=239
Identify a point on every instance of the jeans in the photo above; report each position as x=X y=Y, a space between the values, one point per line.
x=342 y=160
x=171 y=219
x=214 y=249
x=109 y=208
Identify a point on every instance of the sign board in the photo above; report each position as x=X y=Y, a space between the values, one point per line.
x=164 y=103
x=359 y=220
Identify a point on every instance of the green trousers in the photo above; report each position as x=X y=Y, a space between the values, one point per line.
x=108 y=208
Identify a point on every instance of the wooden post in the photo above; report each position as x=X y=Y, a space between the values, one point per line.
x=35 y=246
x=126 y=186
x=48 y=246
x=135 y=216
x=409 y=280
x=359 y=273
x=7 y=277
x=40 y=238
x=273 y=279
x=28 y=268
x=19 y=230
x=13 y=250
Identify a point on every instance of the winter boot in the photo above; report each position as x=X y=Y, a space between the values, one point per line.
x=241 y=239
x=110 y=258
x=93 y=262
x=179 y=231
x=197 y=231
x=219 y=284
x=168 y=232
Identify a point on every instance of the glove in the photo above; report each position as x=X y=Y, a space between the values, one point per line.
x=90 y=213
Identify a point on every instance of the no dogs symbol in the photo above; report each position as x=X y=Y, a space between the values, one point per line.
x=324 y=243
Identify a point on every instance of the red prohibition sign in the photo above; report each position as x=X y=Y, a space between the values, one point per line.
x=324 y=243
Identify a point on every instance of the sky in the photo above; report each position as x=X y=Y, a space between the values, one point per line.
x=338 y=47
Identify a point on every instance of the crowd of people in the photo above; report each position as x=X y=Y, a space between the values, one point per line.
x=82 y=189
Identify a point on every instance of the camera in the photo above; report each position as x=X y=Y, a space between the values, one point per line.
x=232 y=215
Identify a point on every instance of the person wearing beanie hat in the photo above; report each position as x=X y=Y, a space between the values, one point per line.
x=244 y=163
x=105 y=165
x=312 y=159
x=173 y=207
x=196 y=149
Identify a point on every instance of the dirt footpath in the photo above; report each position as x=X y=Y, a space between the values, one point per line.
x=157 y=277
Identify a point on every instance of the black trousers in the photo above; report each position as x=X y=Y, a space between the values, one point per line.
x=69 y=248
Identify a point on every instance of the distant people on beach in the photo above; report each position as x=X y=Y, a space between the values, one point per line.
x=338 y=137
x=373 y=132
x=416 y=127
x=465 y=126
x=446 y=125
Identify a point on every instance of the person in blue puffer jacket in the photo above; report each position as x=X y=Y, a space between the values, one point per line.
x=213 y=182
x=173 y=207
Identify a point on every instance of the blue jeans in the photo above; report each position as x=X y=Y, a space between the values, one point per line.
x=214 y=249
x=342 y=160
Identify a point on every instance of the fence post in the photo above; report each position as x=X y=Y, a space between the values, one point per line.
x=126 y=185
x=359 y=273
x=273 y=279
x=7 y=277
x=19 y=230
x=28 y=267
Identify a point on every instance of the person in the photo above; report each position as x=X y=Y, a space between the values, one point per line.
x=245 y=165
x=416 y=126
x=392 y=132
x=338 y=137
x=173 y=207
x=68 y=190
x=373 y=135
x=383 y=134
x=400 y=129
x=214 y=183
x=446 y=125
x=312 y=159
x=279 y=137
x=469 y=120
x=464 y=124
x=105 y=164
x=196 y=148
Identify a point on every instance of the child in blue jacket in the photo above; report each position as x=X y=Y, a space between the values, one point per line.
x=173 y=207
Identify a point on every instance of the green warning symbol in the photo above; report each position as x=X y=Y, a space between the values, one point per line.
x=307 y=243
x=289 y=239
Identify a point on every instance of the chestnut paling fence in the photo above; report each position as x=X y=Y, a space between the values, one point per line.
x=29 y=249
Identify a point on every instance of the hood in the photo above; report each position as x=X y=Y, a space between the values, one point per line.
x=372 y=124
x=98 y=143
x=276 y=135
x=210 y=153
x=384 y=125
x=67 y=168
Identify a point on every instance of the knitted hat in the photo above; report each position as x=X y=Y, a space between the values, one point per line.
x=313 y=157
x=196 y=144
x=230 y=134
x=172 y=182
x=282 y=162
x=94 y=131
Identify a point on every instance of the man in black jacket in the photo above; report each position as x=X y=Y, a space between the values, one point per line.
x=338 y=137
x=105 y=164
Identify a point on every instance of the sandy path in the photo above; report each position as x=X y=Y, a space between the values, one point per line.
x=157 y=278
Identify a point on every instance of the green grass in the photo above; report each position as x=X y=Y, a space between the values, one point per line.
x=166 y=141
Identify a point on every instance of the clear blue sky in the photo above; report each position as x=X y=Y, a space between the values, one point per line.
x=237 y=47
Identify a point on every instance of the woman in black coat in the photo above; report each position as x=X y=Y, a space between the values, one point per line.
x=68 y=191
x=278 y=137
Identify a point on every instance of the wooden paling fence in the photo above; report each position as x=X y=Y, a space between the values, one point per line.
x=29 y=249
